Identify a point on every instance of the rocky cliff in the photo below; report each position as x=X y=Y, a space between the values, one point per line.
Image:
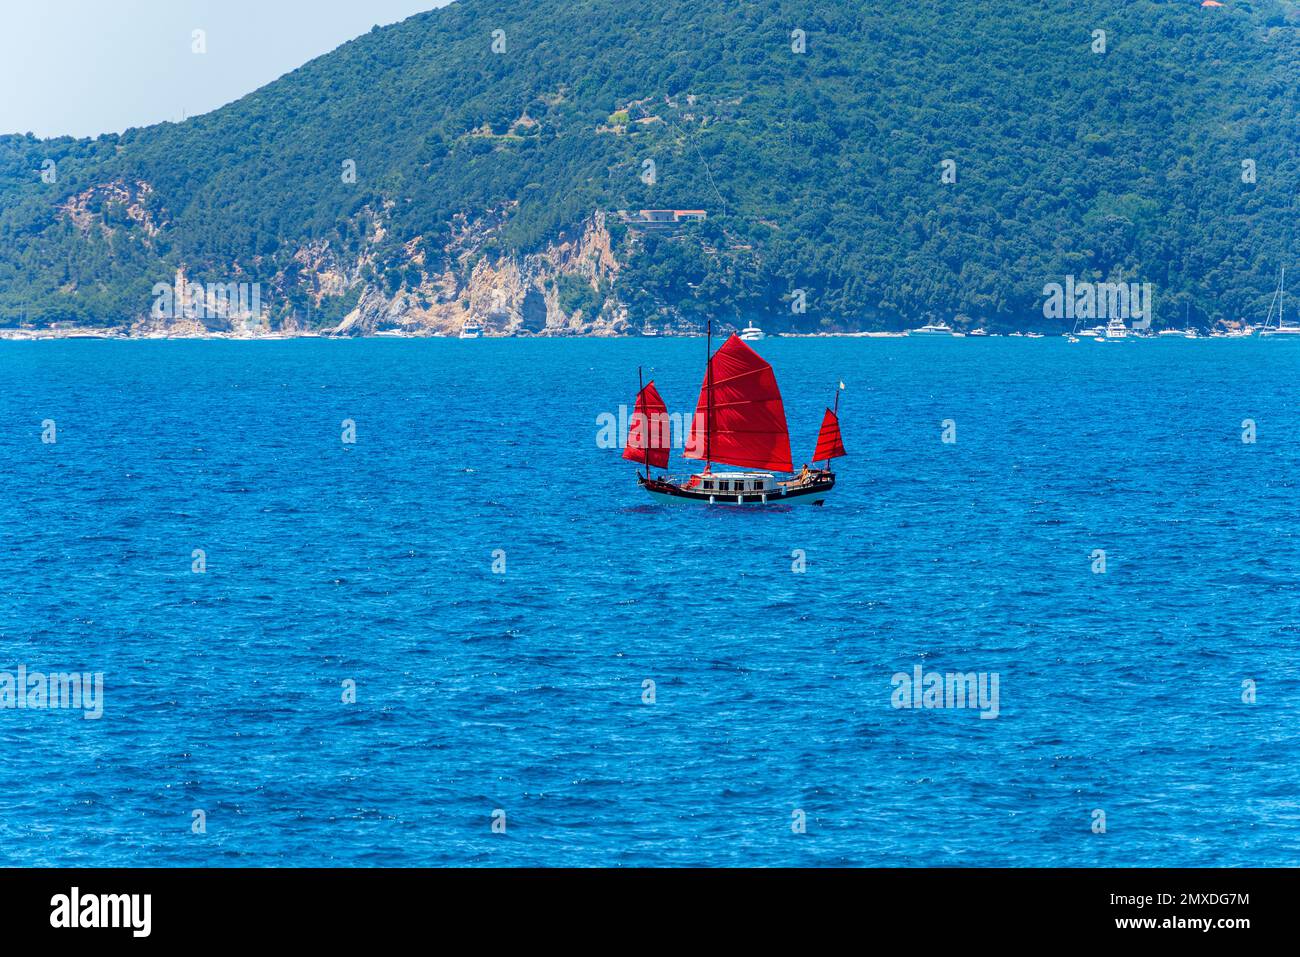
x=508 y=295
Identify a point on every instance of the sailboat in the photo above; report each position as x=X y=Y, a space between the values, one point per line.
x=1283 y=328
x=739 y=420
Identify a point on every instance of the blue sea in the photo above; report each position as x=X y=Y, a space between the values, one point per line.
x=1162 y=691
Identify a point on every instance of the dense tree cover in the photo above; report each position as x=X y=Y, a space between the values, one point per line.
x=821 y=170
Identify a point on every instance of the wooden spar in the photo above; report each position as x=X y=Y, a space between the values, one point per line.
x=645 y=430
x=708 y=417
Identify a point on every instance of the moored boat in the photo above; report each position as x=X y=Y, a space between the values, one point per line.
x=1279 y=327
x=751 y=333
x=939 y=328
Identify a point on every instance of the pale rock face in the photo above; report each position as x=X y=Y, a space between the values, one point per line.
x=507 y=295
x=175 y=312
x=511 y=296
x=131 y=196
x=330 y=277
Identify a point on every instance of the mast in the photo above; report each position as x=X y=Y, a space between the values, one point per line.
x=708 y=416
x=1268 y=316
x=645 y=426
x=837 y=418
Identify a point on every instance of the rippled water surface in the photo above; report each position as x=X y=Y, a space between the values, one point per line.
x=372 y=563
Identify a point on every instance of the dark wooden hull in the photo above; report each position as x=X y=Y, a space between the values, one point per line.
x=813 y=493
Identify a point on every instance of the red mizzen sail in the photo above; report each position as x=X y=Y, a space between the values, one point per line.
x=648 y=425
x=747 y=427
x=829 y=443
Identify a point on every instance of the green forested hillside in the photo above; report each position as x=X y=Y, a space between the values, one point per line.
x=820 y=170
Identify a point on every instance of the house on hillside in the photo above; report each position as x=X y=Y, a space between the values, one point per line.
x=662 y=218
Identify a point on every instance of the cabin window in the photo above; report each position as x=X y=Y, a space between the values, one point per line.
x=708 y=485
x=724 y=486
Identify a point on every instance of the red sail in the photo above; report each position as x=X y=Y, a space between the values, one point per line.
x=748 y=417
x=829 y=443
x=649 y=421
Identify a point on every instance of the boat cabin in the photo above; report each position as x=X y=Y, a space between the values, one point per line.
x=735 y=482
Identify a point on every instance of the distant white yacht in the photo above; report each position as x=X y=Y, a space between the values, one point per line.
x=933 y=329
x=471 y=331
x=1187 y=332
x=1115 y=329
x=751 y=333
x=1282 y=327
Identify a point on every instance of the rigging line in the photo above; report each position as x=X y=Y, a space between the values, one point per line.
x=703 y=162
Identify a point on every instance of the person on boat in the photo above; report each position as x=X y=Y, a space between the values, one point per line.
x=802 y=478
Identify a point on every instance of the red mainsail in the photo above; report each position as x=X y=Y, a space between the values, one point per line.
x=829 y=444
x=745 y=417
x=648 y=427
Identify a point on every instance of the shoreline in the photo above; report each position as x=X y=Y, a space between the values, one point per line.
x=62 y=335
x=25 y=335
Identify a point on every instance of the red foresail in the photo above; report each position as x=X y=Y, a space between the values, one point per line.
x=648 y=428
x=746 y=426
x=829 y=443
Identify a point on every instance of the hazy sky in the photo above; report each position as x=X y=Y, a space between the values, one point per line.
x=83 y=67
